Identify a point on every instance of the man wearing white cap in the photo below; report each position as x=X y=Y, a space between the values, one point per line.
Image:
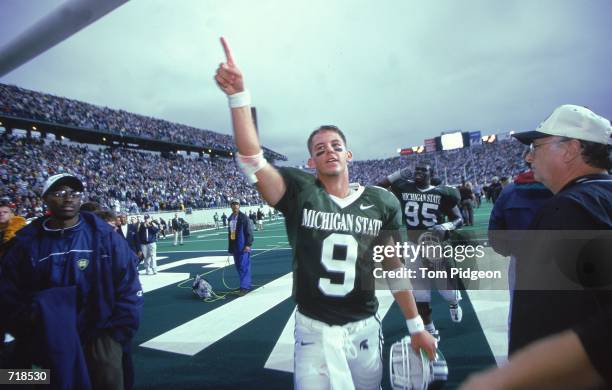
x=561 y=329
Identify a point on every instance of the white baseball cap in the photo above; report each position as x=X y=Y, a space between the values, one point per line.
x=65 y=179
x=572 y=122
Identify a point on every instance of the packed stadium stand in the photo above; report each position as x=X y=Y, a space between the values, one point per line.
x=120 y=179
x=477 y=163
x=27 y=104
x=135 y=181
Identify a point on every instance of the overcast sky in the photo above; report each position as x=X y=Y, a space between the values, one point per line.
x=390 y=73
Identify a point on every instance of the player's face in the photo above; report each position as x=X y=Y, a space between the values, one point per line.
x=422 y=175
x=235 y=208
x=5 y=215
x=328 y=154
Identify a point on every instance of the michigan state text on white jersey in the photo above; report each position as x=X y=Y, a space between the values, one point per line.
x=332 y=241
x=423 y=208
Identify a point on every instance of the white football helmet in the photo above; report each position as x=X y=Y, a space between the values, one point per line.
x=414 y=371
x=202 y=288
x=432 y=250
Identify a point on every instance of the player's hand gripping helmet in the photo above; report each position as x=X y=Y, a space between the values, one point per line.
x=412 y=370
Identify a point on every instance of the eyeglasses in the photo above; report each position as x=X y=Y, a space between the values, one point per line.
x=533 y=147
x=66 y=194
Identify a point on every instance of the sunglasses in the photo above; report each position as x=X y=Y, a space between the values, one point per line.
x=66 y=194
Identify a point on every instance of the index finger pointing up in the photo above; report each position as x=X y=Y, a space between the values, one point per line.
x=228 y=52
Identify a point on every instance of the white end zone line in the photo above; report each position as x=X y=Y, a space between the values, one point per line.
x=201 y=332
x=162 y=279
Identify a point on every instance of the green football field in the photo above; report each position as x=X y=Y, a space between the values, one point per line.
x=246 y=342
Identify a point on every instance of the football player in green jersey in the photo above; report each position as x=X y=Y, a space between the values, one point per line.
x=332 y=229
x=424 y=207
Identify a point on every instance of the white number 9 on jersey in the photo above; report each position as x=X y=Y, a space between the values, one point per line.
x=345 y=266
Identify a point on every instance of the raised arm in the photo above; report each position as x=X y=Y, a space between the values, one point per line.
x=229 y=78
x=387 y=181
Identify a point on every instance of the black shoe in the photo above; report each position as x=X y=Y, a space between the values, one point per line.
x=243 y=292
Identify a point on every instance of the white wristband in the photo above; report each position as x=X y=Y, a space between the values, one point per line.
x=448 y=226
x=415 y=325
x=239 y=99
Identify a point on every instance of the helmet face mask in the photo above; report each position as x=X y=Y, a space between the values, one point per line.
x=432 y=252
x=413 y=370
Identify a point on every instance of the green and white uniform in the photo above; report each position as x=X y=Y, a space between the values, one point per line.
x=423 y=208
x=332 y=241
x=338 y=337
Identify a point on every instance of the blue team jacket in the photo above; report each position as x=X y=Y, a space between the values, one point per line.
x=244 y=234
x=90 y=256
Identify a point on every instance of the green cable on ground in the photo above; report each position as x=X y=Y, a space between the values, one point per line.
x=216 y=297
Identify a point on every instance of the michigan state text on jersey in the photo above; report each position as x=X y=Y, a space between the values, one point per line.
x=422 y=208
x=332 y=241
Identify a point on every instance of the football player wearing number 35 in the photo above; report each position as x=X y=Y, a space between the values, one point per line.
x=332 y=229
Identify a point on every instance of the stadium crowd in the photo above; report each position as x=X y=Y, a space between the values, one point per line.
x=132 y=181
x=121 y=180
x=27 y=104
x=478 y=164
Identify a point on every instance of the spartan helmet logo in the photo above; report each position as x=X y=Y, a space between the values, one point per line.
x=82 y=264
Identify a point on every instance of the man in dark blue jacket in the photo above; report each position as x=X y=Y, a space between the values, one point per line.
x=240 y=234
x=72 y=249
x=514 y=210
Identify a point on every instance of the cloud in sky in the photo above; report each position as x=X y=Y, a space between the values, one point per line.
x=389 y=73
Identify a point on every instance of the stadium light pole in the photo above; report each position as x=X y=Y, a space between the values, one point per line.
x=53 y=28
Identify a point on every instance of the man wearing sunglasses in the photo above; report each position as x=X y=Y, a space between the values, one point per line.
x=72 y=277
x=561 y=329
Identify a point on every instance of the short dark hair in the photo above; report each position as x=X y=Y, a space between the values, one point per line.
x=596 y=154
x=323 y=128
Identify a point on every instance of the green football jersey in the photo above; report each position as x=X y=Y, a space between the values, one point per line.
x=332 y=241
x=423 y=208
